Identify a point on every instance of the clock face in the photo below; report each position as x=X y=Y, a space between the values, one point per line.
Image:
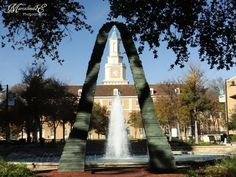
x=115 y=73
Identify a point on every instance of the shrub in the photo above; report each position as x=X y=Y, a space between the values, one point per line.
x=192 y=173
x=226 y=167
x=232 y=138
x=13 y=170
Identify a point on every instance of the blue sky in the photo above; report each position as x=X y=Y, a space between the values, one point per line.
x=77 y=50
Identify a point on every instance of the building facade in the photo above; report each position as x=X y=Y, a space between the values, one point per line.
x=230 y=101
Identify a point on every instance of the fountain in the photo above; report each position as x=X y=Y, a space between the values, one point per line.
x=117 y=142
x=73 y=157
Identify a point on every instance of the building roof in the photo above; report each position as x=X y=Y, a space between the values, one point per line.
x=232 y=78
x=125 y=90
x=233 y=96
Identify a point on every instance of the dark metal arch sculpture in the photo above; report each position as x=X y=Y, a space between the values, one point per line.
x=73 y=157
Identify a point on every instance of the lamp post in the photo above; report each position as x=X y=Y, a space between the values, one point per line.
x=6 y=113
x=226 y=108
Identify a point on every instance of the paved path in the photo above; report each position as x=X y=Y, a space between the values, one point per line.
x=131 y=172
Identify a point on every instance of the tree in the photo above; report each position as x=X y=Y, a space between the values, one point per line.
x=68 y=110
x=40 y=101
x=135 y=121
x=43 y=35
x=167 y=106
x=35 y=96
x=3 y=116
x=208 y=25
x=99 y=119
x=217 y=85
x=193 y=98
x=61 y=105
x=47 y=101
x=55 y=91
x=18 y=112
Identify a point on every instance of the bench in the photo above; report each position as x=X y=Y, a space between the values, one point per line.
x=212 y=139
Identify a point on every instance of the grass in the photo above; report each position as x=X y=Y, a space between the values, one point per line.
x=224 y=168
x=13 y=170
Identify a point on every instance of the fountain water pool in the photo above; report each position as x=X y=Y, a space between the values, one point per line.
x=117 y=141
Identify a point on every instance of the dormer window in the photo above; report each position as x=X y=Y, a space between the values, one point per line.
x=233 y=83
x=79 y=92
x=177 y=90
x=116 y=92
x=151 y=91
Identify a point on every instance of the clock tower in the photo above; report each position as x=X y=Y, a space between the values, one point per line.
x=115 y=69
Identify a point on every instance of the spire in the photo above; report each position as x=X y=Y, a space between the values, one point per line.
x=115 y=34
x=115 y=70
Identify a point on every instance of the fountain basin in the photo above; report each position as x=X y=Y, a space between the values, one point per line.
x=142 y=160
x=101 y=161
x=95 y=162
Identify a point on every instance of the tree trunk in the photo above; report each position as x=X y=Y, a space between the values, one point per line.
x=218 y=125
x=196 y=132
x=22 y=132
x=185 y=133
x=195 y=125
x=192 y=121
x=170 y=133
x=28 y=137
x=8 y=133
x=35 y=136
x=40 y=129
x=178 y=130
x=208 y=126
x=37 y=126
x=54 y=131
x=63 y=131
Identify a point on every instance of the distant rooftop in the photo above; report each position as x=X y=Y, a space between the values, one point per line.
x=126 y=90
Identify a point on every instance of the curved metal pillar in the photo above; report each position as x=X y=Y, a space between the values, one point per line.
x=73 y=157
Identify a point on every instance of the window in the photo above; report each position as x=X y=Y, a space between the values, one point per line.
x=52 y=132
x=177 y=90
x=142 y=132
x=66 y=132
x=233 y=83
x=115 y=91
x=151 y=91
x=128 y=131
x=79 y=92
